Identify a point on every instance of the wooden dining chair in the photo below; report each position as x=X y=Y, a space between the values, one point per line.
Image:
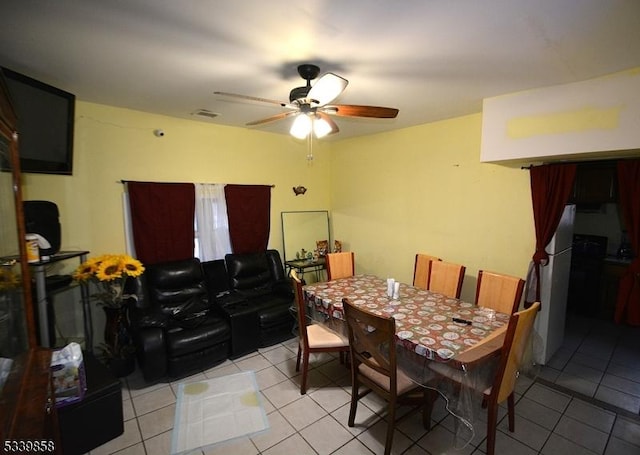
x=340 y=265
x=422 y=269
x=498 y=291
x=313 y=338
x=512 y=356
x=446 y=278
x=373 y=365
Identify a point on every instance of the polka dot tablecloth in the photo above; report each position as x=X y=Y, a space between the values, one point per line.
x=430 y=324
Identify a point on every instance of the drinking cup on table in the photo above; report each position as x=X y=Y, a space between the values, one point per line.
x=390 y=287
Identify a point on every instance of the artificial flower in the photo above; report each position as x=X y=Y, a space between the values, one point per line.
x=109 y=272
x=8 y=279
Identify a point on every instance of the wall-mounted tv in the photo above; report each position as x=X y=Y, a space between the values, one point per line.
x=45 y=124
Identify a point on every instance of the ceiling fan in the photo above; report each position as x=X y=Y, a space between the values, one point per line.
x=312 y=105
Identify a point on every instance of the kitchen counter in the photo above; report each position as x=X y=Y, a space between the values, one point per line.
x=615 y=260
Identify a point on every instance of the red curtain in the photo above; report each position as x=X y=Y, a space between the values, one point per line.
x=628 y=304
x=162 y=219
x=249 y=214
x=551 y=186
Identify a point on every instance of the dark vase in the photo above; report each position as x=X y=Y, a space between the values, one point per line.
x=122 y=366
x=118 y=350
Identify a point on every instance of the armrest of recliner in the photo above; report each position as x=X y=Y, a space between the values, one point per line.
x=147 y=328
x=148 y=317
x=228 y=299
x=151 y=352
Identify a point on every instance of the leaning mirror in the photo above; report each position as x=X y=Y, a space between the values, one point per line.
x=301 y=230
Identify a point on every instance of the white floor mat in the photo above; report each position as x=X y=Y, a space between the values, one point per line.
x=216 y=410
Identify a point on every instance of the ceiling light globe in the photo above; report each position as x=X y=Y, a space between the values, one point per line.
x=321 y=128
x=301 y=126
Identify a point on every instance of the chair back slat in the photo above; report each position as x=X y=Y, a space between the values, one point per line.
x=421 y=270
x=446 y=278
x=498 y=291
x=340 y=265
x=300 y=309
x=514 y=349
x=371 y=339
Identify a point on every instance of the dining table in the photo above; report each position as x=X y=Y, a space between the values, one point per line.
x=430 y=327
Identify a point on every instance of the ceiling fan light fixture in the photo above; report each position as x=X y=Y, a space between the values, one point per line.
x=310 y=105
x=301 y=126
x=321 y=128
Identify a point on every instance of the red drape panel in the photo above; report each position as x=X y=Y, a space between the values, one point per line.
x=249 y=214
x=628 y=304
x=162 y=219
x=551 y=186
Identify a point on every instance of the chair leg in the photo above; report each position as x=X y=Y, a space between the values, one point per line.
x=305 y=371
x=511 y=412
x=298 y=359
x=492 y=416
x=391 y=425
x=354 y=401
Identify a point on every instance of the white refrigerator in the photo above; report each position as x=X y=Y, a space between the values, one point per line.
x=554 y=287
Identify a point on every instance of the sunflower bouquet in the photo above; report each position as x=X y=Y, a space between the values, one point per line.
x=109 y=272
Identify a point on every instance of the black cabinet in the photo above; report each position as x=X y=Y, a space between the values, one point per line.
x=596 y=183
x=98 y=417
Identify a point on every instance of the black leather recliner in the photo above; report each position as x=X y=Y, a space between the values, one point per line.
x=175 y=328
x=259 y=280
x=242 y=316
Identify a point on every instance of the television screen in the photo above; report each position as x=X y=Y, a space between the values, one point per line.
x=45 y=124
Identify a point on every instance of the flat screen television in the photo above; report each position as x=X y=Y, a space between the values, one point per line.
x=46 y=117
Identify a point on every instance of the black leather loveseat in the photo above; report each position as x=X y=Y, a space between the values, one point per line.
x=191 y=315
x=256 y=297
x=176 y=329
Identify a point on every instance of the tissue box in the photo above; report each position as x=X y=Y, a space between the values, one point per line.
x=69 y=378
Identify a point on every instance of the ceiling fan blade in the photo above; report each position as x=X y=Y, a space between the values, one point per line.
x=273 y=118
x=330 y=122
x=252 y=98
x=327 y=88
x=352 y=110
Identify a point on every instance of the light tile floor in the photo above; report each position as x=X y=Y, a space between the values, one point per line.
x=547 y=422
x=598 y=360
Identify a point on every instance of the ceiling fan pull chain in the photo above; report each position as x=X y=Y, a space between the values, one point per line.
x=310 y=148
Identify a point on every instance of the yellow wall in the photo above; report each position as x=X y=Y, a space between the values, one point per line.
x=390 y=195
x=423 y=189
x=113 y=144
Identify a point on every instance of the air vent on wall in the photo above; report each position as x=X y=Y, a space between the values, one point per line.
x=205 y=113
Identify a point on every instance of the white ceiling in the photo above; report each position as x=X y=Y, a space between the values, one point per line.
x=431 y=59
